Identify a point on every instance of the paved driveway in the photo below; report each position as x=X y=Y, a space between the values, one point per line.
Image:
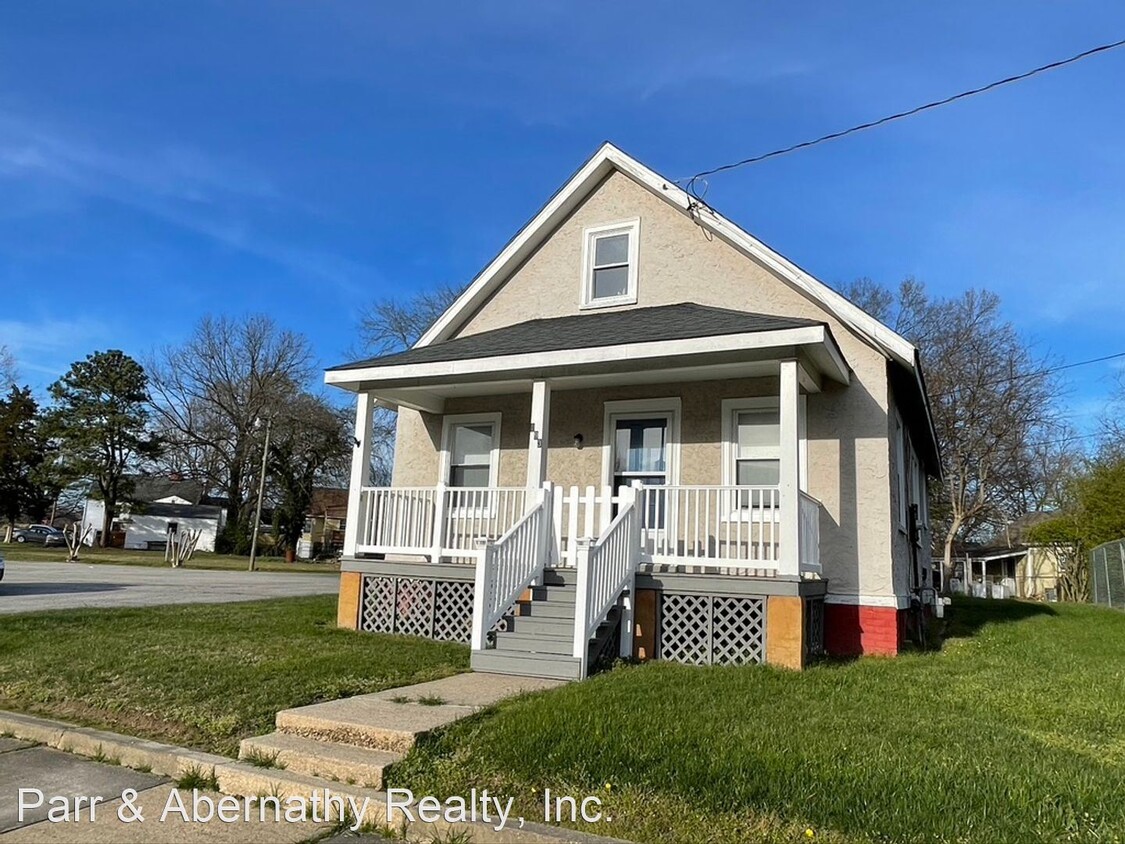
x=28 y=587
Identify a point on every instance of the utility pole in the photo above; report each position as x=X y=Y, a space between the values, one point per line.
x=261 y=492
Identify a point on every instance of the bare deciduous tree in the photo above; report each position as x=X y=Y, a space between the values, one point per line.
x=995 y=407
x=210 y=394
x=9 y=373
x=392 y=325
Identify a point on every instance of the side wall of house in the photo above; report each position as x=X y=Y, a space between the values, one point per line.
x=849 y=464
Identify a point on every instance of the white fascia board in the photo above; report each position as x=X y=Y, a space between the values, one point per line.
x=511 y=364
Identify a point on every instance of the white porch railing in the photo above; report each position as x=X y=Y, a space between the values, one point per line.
x=724 y=526
x=727 y=527
x=507 y=567
x=607 y=568
x=436 y=521
x=808 y=526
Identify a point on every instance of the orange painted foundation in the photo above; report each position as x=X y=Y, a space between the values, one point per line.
x=851 y=630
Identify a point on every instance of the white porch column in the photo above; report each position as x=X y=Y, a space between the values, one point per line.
x=361 y=468
x=537 y=438
x=789 y=484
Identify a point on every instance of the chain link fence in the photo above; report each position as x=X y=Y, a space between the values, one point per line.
x=1107 y=574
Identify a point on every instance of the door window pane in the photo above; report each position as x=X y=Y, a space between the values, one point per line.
x=639 y=446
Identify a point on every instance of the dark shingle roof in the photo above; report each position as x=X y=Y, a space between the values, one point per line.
x=178 y=511
x=152 y=488
x=638 y=325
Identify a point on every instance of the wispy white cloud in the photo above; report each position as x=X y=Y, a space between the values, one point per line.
x=181 y=186
x=44 y=347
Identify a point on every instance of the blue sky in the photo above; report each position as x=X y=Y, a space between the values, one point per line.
x=161 y=161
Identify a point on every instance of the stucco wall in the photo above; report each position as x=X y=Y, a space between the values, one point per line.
x=849 y=464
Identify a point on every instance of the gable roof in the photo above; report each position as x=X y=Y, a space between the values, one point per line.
x=585 y=180
x=582 y=331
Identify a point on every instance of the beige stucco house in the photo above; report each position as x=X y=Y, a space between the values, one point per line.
x=642 y=432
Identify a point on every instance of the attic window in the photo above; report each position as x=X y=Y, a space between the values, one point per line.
x=609 y=274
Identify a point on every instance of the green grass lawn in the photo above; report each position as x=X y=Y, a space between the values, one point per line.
x=1014 y=731
x=118 y=556
x=201 y=675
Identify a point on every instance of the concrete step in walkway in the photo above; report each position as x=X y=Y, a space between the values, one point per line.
x=393 y=720
x=328 y=760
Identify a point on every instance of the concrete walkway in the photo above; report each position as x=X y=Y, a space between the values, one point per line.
x=355 y=739
x=35 y=758
x=59 y=774
x=29 y=587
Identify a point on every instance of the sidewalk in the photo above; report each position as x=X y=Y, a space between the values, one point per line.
x=360 y=736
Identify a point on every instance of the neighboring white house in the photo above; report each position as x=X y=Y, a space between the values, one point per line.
x=159 y=505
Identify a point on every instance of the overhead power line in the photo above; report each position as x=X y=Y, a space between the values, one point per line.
x=903 y=114
x=1040 y=372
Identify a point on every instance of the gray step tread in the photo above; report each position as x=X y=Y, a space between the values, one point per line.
x=524 y=643
x=327 y=759
x=530 y=665
x=539 y=625
x=546 y=609
x=556 y=593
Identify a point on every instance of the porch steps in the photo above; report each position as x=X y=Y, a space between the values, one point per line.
x=539 y=641
x=527 y=664
x=529 y=643
x=325 y=759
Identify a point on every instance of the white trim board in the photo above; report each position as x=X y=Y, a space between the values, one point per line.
x=900 y=602
x=813 y=335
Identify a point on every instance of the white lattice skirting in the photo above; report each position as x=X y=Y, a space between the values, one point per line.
x=412 y=606
x=712 y=629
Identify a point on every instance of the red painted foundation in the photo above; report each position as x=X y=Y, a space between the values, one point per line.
x=851 y=630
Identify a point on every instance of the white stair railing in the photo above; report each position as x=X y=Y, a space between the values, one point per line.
x=606 y=569
x=510 y=565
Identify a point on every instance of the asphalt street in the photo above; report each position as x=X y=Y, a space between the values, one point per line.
x=29 y=587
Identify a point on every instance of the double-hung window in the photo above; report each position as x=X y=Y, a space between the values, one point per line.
x=609 y=275
x=752 y=446
x=471 y=450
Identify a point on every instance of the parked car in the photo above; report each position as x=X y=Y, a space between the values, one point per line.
x=40 y=534
x=1 y=565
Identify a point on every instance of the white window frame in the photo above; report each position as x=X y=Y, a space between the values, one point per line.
x=668 y=408
x=730 y=410
x=900 y=469
x=589 y=235
x=448 y=424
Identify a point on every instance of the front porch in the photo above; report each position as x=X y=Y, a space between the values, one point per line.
x=562 y=485
x=683 y=573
